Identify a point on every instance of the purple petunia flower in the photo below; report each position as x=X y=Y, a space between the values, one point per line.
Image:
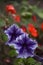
x=12 y=32
x=24 y=46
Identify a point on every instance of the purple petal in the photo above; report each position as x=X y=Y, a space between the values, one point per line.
x=13 y=31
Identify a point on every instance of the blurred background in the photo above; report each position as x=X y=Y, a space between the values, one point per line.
x=27 y=12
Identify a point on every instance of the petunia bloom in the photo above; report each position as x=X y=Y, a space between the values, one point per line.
x=12 y=32
x=32 y=30
x=10 y=8
x=24 y=46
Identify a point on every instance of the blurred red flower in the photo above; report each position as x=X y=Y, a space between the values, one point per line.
x=41 y=26
x=32 y=30
x=11 y=9
x=17 y=18
x=34 y=18
x=23 y=28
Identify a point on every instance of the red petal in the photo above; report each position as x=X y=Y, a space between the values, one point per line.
x=17 y=18
x=10 y=8
x=41 y=26
x=34 y=18
x=23 y=28
x=32 y=30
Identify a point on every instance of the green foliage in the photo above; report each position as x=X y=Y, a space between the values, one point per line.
x=2 y=23
x=12 y=53
x=18 y=62
x=38 y=11
x=4 y=37
x=33 y=62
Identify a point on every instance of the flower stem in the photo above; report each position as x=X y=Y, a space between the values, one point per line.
x=38 y=58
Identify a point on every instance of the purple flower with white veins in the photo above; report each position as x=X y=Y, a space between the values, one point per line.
x=12 y=32
x=24 y=46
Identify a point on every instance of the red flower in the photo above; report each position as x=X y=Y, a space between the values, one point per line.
x=23 y=28
x=41 y=26
x=11 y=9
x=32 y=30
x=34 y=18
x=17 y=18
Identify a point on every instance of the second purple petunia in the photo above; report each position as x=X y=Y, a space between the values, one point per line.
x=24 y=46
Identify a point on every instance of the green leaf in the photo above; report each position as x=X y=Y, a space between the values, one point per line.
x=40 y=14
x=18 y=61
x=4 y=37
x=26 y=14
x=2 y=23
x=38 y=11
x=12 y=53
x=31 y=61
